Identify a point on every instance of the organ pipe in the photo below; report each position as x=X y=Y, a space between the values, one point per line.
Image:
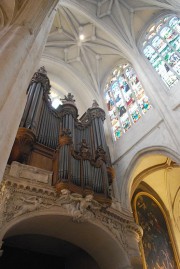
x=81 y=160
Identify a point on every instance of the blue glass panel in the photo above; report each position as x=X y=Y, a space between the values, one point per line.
x=172 y=58
x=126 y=124
x=175 y=24
x=122 y=110
x=136 y=115
x=110 y=104
x=121 y=80
x=176 y=43
x=158 y=44
x=117 y=133
x=144 y=103
x=165 y=52
x=149 y=52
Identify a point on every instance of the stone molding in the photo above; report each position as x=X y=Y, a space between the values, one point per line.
x=21 y=196
x=30 y=173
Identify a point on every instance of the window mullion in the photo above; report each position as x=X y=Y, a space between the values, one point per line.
x=125 y=104
x=163 y=58
x=174 y=52
x=133 y=93
x=117 y=112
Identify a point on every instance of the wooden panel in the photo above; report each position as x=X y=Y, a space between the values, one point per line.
x=41 y=157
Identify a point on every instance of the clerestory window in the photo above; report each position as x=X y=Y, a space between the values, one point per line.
x=125 y=98
x=162 y=48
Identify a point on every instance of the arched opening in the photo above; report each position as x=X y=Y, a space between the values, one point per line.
x=83 y=245
x=154 y=192
x=40 y=251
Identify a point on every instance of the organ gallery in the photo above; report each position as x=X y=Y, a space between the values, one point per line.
x=59 y=171
x=75 y=150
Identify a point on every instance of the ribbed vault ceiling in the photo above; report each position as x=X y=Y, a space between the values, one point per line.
x=111 y=29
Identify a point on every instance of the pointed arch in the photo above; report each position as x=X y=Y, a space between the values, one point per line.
x=161 y=46
x=125 y=99
x=128 y=181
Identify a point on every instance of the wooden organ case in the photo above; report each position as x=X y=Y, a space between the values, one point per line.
x=55 y=140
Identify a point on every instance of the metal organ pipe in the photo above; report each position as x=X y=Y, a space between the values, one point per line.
x=102 y=134
x=99 y=142
x=56 y=132
x=50 y=129
x=53 y=131
x=44 y=126
x=45 y=118
x=30 y=116
x=84 y=166
x=28 y=103
x=37 y=112
x=40 y=125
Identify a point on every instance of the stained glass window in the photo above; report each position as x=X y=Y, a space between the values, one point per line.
x=162 y=48
x=125 y=98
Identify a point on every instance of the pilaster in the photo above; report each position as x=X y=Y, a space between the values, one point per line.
x=21 y=48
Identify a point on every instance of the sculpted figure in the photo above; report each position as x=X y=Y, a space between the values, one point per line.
x=66 y=132
x=95 y=104
x=83 y=208
x=68 y=98
x=30 y=204
x=65 y=197
x=78 y=207
x=100 y=154
x=85 y=203
x=84 y=149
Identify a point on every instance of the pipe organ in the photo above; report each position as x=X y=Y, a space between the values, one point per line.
x=75 y=150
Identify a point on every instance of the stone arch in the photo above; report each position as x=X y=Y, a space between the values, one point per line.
x=104 y=249
x=133 y=164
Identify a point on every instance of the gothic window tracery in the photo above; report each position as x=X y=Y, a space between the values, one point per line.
x=162 y=48
x=125 y=98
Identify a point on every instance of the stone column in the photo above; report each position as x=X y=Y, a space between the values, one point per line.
x=21 y=48
x=133 y=236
